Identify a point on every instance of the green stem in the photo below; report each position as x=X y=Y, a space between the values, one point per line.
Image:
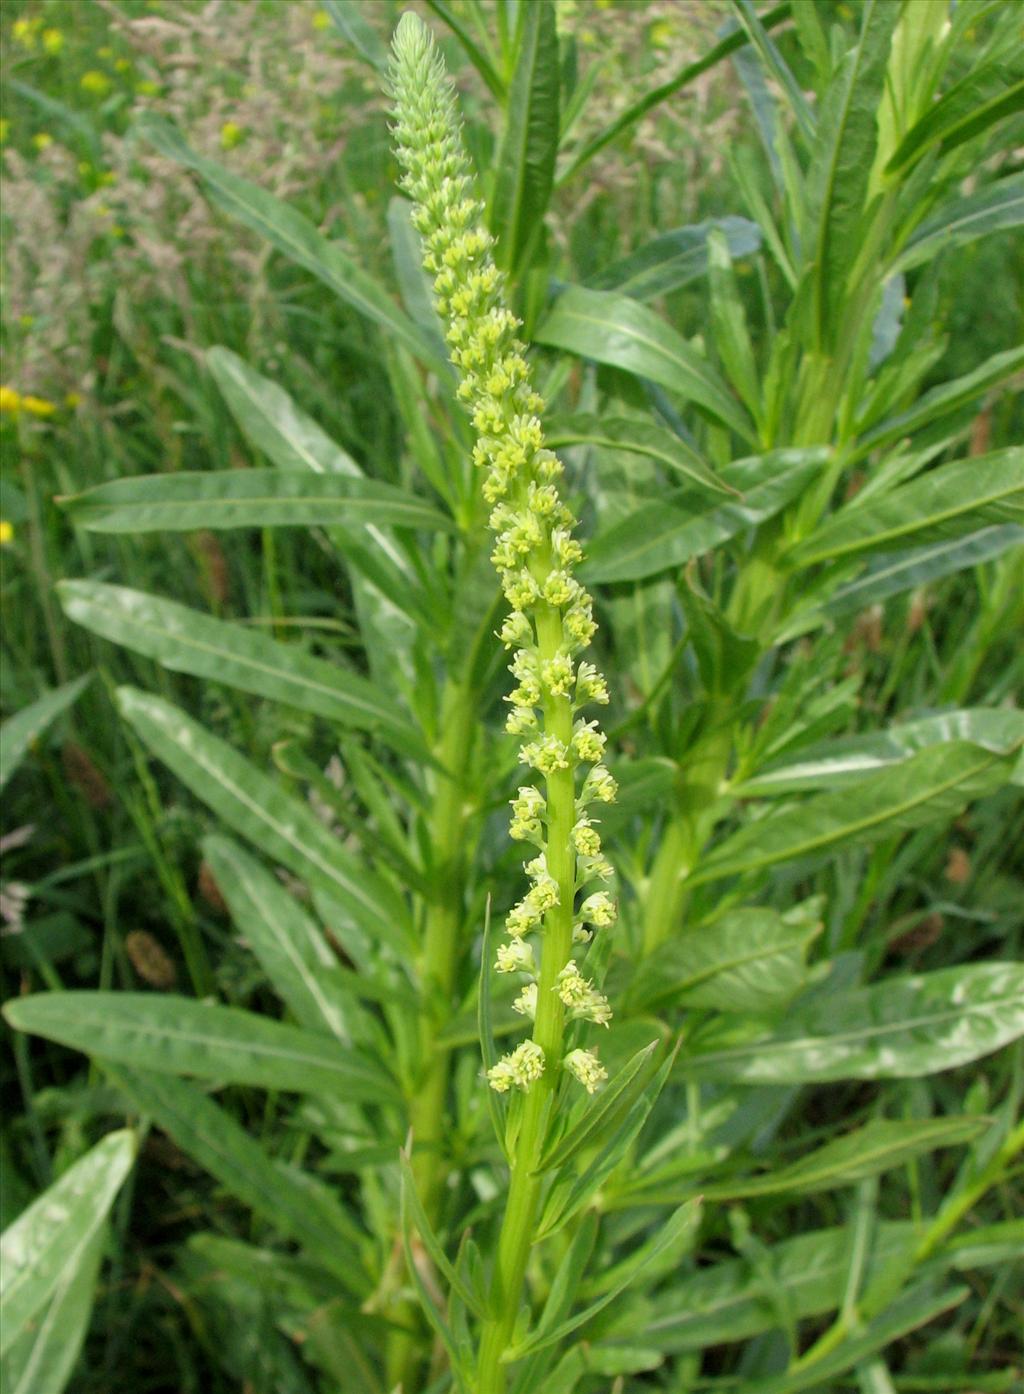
x=521 y=1208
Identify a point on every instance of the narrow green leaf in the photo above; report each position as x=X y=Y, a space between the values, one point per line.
x=776 y=66
x=897 y=1029
x=186 y=641
x=294 y=235
x=220 y=499
x=353 y=28
x=986 y=94
x=676 y=258
x=994 y=208
x=601 y=1115
x=934 y=785
x=299 y=963
x=481 y=61
x=19 y=732
x=842 y=760
x=750 y=960
x=682 y=1221
x=943 y=503
x=525 y=169
x=942 y=400
x=614 y=329
x=211 y=1137
x=54 y=1236
x=637 y=436
x=418 y=1218
x=667 y=533
x=841 y=168
x=43 y=1358
x=258 y=808
x=176 y=1035
x=879 y=1146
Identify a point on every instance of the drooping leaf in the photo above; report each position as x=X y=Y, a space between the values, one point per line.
x=220 y=499
x=946 y=502
x=19 y=732
x=637 y=437
x=676 y=258
x=525 y=169
x=210 y=1136
x=187 y=641
x=293 y=952
x=615 y=329
x=667 y=533
x=294 y=235
x=257 y=807
x=932 y=786
x=177 y=1035
x=896 y=1029
x=53 y=1238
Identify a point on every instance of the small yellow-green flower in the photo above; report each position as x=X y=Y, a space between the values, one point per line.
x=6 y=532
x=53 y=40
x=26 y=31
x=231 y=134
x=321 y=19
x=95 y=83
x=42 y=140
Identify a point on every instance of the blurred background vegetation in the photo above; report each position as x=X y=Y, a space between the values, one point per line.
x=117 y=273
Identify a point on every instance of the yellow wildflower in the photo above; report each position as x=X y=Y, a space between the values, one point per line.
x=53 y=40
x=95 y=82
x=10 y=401
x=5 y=128
x=42 y=139
x=25 y=31
x=147 y=87
x=37 y=406
x=231 y=134
x=73 y=399
x=6 y=532
x=321 y=19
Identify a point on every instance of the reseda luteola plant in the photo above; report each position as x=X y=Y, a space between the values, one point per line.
x=550 y=623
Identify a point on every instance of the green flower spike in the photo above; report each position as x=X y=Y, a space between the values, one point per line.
x=551 y=617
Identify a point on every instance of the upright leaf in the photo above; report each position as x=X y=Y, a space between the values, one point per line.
x=19 y=732
x=526 y=161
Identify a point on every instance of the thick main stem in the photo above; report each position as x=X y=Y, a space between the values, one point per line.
x=524 y=1187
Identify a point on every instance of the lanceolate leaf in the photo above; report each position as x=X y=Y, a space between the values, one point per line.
x=221 y=499
x=879 y=1146
x=676 y=258
x=992 y=209
x=945 y=502
x=897 y=1029
x=177 y=1035
x=750 y=960
x=187 y=641
x=299 y=963
x=210 y=1135
x=617 y=330
x=684 y=524
x=44 y=1356
x=932 y=786
x=294 y=235
x=987 y=94
x=54 y=1236
x=18 y=732
x=637 y=437
x=526 y=160
x=843 y=760
x=257 y=807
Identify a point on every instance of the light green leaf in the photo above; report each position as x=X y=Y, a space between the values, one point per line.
x=525 y=168
x=177 y=1035
x=211 y=1137
x=480 y=60
x=988 y=93
x=294 y=235
x=665 y=534
x=897 y=1029
x=186 y=641
x=614 y=329
x=599 y=1117
x=934 y=785
x=19 y=732
x=776 y=66
x=993 y=208
x=43 y=1358
x=257 y=807
x=222 y=499
x=353 y=28
x=636 y=436
x=750 y=960
x=676 y=258
x=879 y=1146
x=842 y=760
x=945 y=502
x=298 y=961
x=54 y=1236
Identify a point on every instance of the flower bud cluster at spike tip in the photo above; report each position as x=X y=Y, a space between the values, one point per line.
x=534 y=553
